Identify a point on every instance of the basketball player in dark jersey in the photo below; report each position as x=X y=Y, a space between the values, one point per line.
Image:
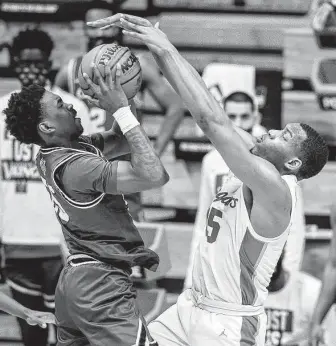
x=153 y=82
x=95 y=298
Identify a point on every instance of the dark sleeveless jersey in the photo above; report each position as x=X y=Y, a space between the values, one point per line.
x=93 y=222
x=100 y=121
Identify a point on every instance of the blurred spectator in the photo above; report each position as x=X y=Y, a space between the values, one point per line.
x=29 y=229
x=241 y=109
x=328 y=291
x=289 y=308
x=152 y=82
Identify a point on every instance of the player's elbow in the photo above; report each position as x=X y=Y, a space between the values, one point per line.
x=207 y=114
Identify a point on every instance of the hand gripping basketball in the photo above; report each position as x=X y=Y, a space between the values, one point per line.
x=108 y=94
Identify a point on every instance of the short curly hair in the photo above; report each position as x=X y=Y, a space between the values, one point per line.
x=314 y=153
x=23 y=114
x=32 y=38
x=240 y=96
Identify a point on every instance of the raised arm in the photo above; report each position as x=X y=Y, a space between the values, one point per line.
x=112 y=142
x=258 y=174
x=145 y=170
x=168 y=100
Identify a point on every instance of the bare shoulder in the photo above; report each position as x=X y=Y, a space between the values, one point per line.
x=273 y=192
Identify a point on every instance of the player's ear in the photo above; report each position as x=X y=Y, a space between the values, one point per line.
x=293 y=165
x=46 y=128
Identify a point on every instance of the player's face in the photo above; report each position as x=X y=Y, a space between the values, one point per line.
x=32 y=66
x=60 y=117
x=241 y=113
x=281 y=147
x=95 y=36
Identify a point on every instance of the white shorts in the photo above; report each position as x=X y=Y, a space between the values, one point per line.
x=189 y=325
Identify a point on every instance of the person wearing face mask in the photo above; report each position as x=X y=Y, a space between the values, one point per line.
x=30 y=234
x=241 y=108
x=152 y=82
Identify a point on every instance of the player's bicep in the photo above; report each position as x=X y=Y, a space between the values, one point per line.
x=89 y=174
x=129 y=181
x=258 y=174
x=115 y=144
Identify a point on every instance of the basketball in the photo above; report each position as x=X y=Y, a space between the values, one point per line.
x=110 y=55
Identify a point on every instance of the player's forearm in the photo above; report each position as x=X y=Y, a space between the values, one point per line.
x=115 y=143
x=189 y=85
x=12 y=307
x=327 y=294
x=144 y=160
x=172 y=120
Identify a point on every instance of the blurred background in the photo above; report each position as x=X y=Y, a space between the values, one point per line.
x=288 y=65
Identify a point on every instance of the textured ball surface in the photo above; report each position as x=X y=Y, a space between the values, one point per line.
x=110 y=55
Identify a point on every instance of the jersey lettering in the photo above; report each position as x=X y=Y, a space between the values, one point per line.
x=227 y=200
x=60 y=212
x=18 y=164
x=278 y=322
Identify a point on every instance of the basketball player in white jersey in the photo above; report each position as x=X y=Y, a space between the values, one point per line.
x=290 y=306
x=28 y=229
x=241 y=109
x=249 y=219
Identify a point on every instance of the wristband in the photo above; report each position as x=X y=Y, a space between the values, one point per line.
x=125 y=119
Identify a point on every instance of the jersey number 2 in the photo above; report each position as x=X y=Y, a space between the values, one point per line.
x=213 y=225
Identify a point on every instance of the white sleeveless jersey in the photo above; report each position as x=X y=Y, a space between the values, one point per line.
x=232 y=262
x=27 y=216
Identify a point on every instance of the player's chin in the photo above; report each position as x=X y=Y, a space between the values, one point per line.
x=80 y=130
x=254 y=150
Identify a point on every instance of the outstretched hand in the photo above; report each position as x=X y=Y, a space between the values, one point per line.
x=137 y=27
x=40 y=318
x=108 y=94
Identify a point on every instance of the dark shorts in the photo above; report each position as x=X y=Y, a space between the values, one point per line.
x=35 y=278
x=33 y=283
x=96 y=305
